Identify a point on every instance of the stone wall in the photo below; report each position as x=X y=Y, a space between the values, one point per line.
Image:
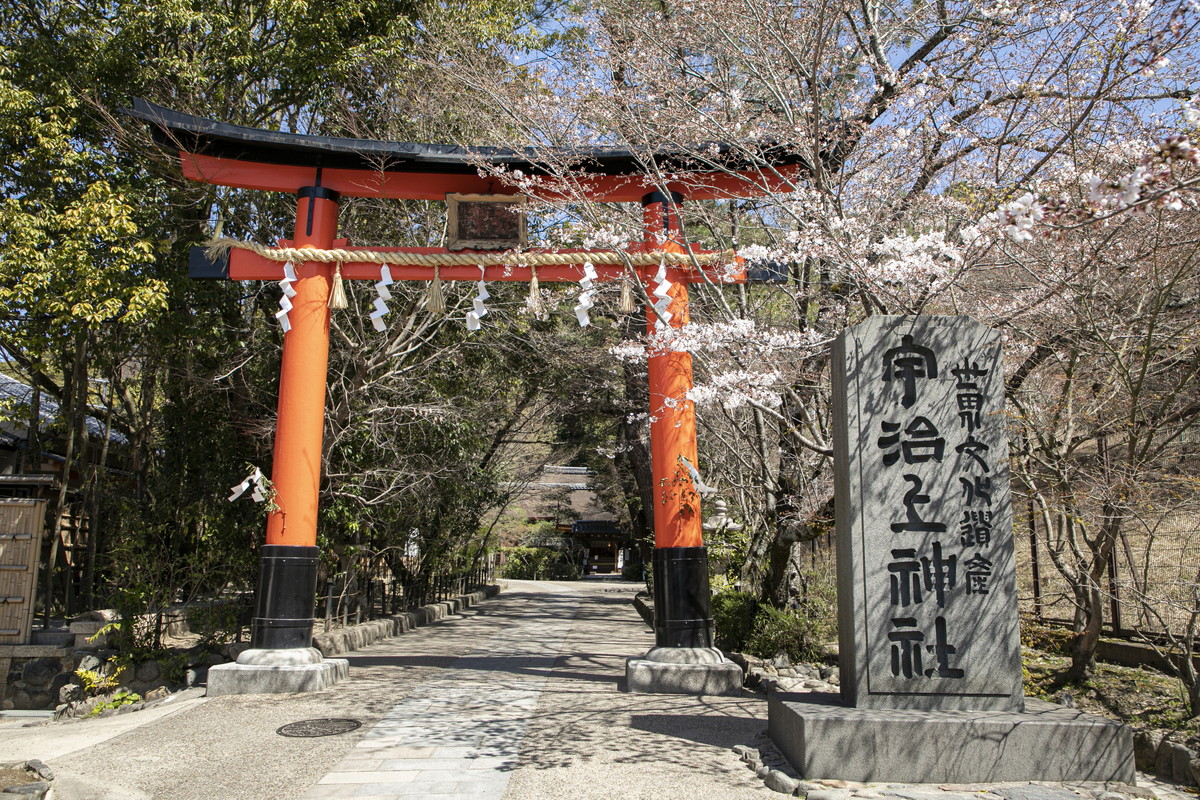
x=346 y=640
x=33 y=675
x=1155 y=752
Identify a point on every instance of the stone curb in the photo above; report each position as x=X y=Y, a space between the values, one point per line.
x=643 y=602
x=769 y=766
x=355 y=637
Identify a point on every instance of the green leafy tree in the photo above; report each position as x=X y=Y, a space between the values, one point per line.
x=187 y=370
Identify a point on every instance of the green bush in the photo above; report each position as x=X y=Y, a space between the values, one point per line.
x=797 y=634
x=525 y=563
x=216 y=623
x=122 y=697
x=801 y=631
x=538 y=564
x=633 y=570
x=562 y=571
x=733 y=619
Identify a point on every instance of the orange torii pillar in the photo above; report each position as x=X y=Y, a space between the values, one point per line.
x=281 y=657
x=683 y=659
x=288 y=577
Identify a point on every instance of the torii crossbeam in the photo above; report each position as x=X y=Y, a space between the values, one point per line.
x=320 y=170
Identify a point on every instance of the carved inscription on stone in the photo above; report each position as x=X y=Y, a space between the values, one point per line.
x=926 y=578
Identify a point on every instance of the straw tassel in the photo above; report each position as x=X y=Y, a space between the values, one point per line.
x=535 y=295
x=627 y=304
x=337 y=297
x=437 y=302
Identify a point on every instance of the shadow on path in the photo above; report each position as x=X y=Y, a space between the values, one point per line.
x=731 y=731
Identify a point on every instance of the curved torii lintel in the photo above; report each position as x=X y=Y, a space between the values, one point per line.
x=251 y=158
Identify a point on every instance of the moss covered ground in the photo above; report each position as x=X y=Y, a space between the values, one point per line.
x=1142 y=697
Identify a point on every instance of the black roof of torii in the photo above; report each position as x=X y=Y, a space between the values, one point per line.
x=205 y=140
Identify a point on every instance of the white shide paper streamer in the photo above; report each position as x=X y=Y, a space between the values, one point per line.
x=701 y=488
x=662 y=292
x=259 y=482
x=586 y=295
x=285 y=302
x=478 y=309
x=381 y=306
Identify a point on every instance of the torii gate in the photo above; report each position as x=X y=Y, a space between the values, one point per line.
x=319 y=171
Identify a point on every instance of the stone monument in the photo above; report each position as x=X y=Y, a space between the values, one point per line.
x=927 y=608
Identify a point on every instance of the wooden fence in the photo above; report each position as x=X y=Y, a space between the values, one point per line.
x=22 y=522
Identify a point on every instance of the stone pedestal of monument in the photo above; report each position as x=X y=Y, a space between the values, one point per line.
x=683 y=670
x=822 y=738
x=289 y=671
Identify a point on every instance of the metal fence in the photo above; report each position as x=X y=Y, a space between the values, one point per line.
x=1151 y=586
x=371 y=589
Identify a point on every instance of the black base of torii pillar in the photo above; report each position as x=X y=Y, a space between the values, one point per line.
x=682 y=605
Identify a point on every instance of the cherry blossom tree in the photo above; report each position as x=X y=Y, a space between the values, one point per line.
x=1103 y=394
x=937 y=141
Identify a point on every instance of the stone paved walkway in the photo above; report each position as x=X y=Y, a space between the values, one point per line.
x=458 y=736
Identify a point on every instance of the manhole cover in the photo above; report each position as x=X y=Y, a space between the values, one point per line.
x=318 y=727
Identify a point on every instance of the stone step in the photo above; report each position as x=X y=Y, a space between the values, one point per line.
x=54 y=638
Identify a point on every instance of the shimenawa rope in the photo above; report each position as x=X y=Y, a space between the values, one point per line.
x=219 y=247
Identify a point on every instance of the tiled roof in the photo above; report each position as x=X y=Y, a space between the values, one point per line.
x=14 y=391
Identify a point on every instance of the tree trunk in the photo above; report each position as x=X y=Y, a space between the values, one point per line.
x=1087 y=636
x=634 y=455
x=778 y=582
x=1083 y=646
x=31 y=459
x=74 y=374
x=1187 y=671
x=94 y=528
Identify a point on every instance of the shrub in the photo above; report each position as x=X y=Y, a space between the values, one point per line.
x=538 y=564
x=122 y=697
x=797 y=634
x=96 y=682
x=733 y=619
x=561 y=570
x=633 y=570
x=217 y=623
